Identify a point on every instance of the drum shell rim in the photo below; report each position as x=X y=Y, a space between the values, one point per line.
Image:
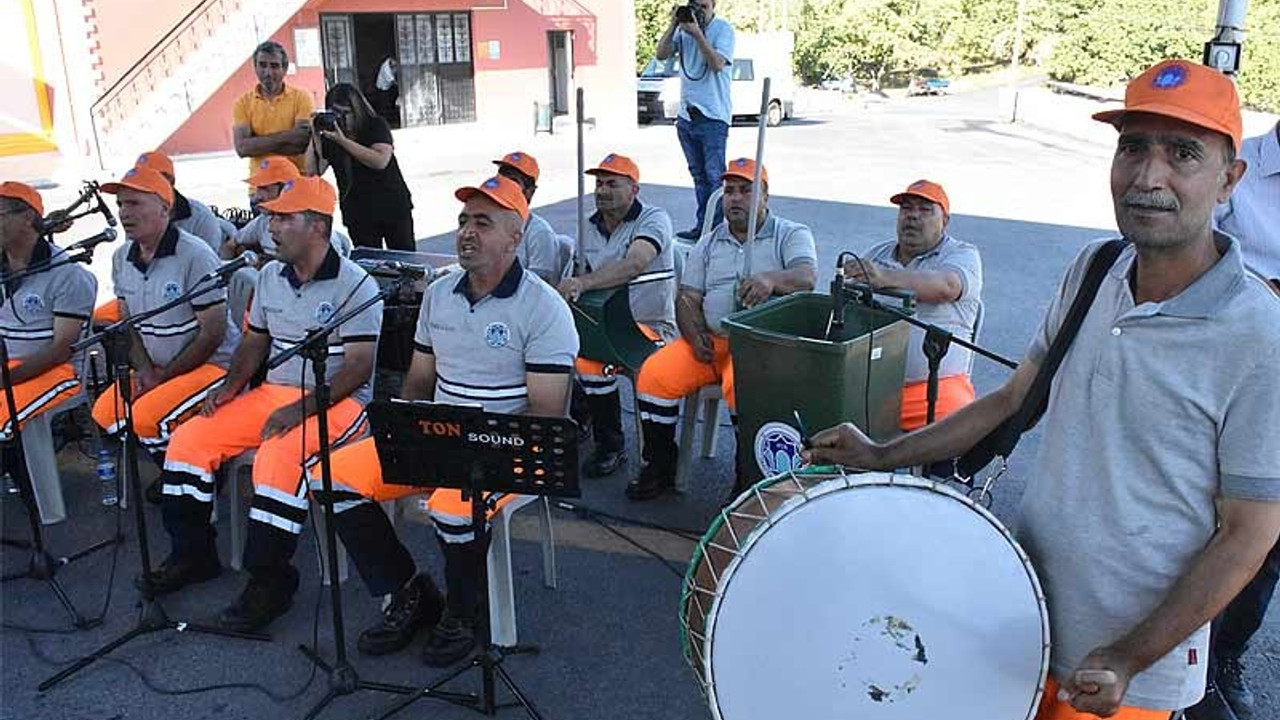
x=806 y=495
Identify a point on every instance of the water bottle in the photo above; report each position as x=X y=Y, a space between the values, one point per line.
x=107 y=475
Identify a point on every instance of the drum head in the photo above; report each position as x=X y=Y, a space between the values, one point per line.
x=871 y=599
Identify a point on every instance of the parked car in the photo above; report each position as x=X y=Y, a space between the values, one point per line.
x=658 y=87
x=927 y=82
x=844 y=84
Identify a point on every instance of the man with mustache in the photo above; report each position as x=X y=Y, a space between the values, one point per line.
x=729 y=268
x=1156 y=494
x=628 y=243
x=492 y=334
x=946 y=276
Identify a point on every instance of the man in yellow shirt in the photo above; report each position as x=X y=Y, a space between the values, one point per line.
x=272 y=118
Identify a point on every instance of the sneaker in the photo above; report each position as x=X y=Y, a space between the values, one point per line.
x=1235 y=690
x=176 y=573
x=415 y=606
x=453 y=639
x=648 y=486
x=604 y=462
x=256 y=607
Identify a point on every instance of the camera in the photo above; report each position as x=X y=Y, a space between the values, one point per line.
x=690 y=12
x=325 y=121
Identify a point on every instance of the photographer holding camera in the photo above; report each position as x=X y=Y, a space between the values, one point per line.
x=356 y=142
x=704 y=43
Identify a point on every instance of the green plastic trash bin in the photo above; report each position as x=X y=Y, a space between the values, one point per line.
x=782 y=362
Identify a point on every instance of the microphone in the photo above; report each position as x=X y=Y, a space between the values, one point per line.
x=246 y=259
x=105 y=209
x=107 y=235
x=837 y=301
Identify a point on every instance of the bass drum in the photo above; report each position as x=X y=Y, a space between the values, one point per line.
x=823 y=595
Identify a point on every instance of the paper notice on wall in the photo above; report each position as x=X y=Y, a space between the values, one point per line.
x=495 y=50
x=306 y=47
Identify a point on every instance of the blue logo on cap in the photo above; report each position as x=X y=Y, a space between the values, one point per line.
x=491 y=183
x=263 y=165
x=740 y=162
x=516 y=156
x=610 y=158
x=916 y=185
x=132 y=172
x=288 y=185
x=142 y=158
x=1170 y=77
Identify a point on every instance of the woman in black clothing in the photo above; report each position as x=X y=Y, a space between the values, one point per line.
x=375 y=202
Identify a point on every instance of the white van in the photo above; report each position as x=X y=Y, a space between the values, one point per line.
x=755 y=57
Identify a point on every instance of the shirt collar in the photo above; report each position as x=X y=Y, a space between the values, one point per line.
x=257 y=91
x=767 y=231
x=328 y=270
x=168 y=246
x=1209 y=293
x=181 y=207
x=506 y=287
x=632 y=214
x=893 y=251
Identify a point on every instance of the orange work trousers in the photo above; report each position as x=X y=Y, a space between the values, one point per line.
x=355 y=470
x=600 y=379
x=107 y=313
x=158 y=413
x=1051 y=708
x=953 y=393
x=38 y=395
x=202 y=444
x=674 y=371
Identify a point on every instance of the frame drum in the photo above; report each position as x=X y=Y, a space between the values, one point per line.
x=822 y=595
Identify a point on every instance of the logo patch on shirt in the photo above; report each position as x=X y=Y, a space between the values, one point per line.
x=324 y=312
x=172 y=291
x=777 y=448
x=32 y=302
x=497 y=334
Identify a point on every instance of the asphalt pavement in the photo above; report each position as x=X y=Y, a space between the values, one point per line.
x=608 y=633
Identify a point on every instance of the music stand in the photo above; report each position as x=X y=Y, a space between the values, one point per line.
x=436 y=445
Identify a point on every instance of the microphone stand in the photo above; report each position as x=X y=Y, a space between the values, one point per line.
x=314 y=347
x=937 y=341
x=152 y=617
x=42 y=565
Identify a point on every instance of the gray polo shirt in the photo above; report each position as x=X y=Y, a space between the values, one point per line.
x=719 y=261
x=539 y=250
x=29 y=307
x=956 y=317
x=1156 y=411
x=180 y=261
x=484 y=349
x=256 y=235
x=285 y=308
x=653 y=291
x=196 y=218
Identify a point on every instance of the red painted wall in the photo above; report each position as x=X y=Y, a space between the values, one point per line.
x=519 y=28
x=127 y=29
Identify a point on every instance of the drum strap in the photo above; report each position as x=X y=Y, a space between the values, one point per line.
x=1005 y=436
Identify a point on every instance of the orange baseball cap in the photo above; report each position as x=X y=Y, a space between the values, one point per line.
x=926 y=189
x=522 y=161
x=271 y=170
x=745 y=168
x=25 y=193
x=143 y=180
x=1185 y=91
x=615 y=164
x=501 y=190
x=156 y=160
x=304 y=194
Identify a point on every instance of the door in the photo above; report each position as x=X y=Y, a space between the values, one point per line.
x=560 y=69
x=437 y=74
x=336 y=40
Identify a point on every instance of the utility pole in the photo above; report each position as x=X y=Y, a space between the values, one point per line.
x=1223 y=51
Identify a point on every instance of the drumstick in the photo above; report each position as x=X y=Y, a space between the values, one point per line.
x=806 y=440
x=584 y=314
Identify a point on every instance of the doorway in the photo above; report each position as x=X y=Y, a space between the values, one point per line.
x=560 y=69
x=375 y=42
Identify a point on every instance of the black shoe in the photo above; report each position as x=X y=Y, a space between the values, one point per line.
x=452 y=640
x=154 y=493
x=604 y=462
x=413 y=607
x=648 y=486
x=1212 y=707
x=1235 y=690
x=256 y=607
x=690 y=234
x=176 y=573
